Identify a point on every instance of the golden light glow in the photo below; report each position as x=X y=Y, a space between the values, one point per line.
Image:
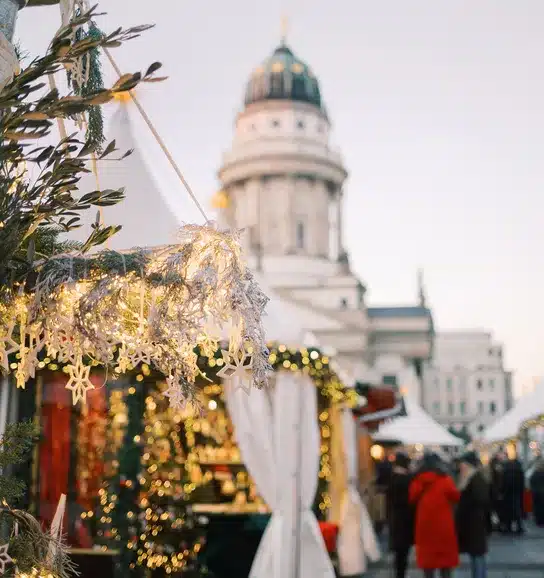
x=220 y=200
x=122 y=96
x=377 y=452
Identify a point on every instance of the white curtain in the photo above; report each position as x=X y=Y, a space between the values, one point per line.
x=277 y=432
x=356 y=539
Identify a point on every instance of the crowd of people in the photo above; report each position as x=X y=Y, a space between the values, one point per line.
x=445 y=509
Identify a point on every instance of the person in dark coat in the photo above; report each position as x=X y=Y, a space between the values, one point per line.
x=472 y=515
x=383 y=470
x=400 y=513
x=434 y=494
x=513 y=489
x=496 y=466
x=536 y=483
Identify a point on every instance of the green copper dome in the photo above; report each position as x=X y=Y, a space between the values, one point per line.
x=283 y=77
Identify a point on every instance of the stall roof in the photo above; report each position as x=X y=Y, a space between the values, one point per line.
x=507 y=427
x=417 y=427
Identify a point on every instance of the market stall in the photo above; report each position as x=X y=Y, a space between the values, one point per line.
x=417 y=429
x=521 y=429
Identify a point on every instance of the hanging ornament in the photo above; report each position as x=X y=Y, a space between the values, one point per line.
x=237 y=367
x=4 y=558
x=174 y=393
x=79 y=381
x=158 y=307
x=8 y=345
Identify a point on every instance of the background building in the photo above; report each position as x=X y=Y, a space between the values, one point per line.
x=283 y=184
x=466 y=386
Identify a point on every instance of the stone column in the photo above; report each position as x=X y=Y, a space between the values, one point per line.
x=339 y=223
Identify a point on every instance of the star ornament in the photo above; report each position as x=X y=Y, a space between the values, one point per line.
x=5 y=558
x=238 y=368
x=79 y=382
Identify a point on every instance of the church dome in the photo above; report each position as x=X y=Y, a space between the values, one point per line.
x=283 y=76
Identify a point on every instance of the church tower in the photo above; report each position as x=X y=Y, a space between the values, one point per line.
x=282 y=184
x=281 y=180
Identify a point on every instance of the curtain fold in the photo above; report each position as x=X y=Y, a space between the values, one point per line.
x=356 y=539
x=278 y=435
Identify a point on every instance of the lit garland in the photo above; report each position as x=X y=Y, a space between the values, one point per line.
x=312 y=362
x=107 y=531
x=165 y=491
x=154 y=306
x=533 y=422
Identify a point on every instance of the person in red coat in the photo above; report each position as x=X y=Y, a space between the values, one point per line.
x=434 y=494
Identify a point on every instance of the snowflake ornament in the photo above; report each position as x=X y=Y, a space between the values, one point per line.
x=29 y=353
x=79 y=382
x=175 y=393
x=5 y=558
x=140 y=353
x=7 y=346
x=237 y=367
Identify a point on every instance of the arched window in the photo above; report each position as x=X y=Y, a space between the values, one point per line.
x=300 y=235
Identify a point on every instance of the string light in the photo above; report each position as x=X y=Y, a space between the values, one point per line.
x=153 y=307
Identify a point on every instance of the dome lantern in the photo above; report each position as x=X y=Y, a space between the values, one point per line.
x=283 y=77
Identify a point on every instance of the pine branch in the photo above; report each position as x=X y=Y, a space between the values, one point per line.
x=15 y=445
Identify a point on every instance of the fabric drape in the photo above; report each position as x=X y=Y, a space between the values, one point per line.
x=356 y=540
x=54 y=449
x=278 y=435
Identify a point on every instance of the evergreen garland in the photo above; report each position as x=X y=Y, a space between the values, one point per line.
x=94 y=84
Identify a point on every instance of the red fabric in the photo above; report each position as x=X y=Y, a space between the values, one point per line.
x=527 y=502
x=54 y=460
x=435 y=536
x=330 y=535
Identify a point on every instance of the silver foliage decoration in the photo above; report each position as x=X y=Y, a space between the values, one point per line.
x=154 y=306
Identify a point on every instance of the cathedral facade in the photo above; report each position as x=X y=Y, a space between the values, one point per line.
x=284 y=186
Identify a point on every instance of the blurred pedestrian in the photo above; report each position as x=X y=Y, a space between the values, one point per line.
x=513 y=490
x=496 y=471
x=472 y=515
x=434 y=494
x=400 y=513
x=536 y=483
x=383 y=469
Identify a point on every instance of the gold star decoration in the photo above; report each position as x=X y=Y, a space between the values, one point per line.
x=79 y=382
x=5 y=558
x=237 y=367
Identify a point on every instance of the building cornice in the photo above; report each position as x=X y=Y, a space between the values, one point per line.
x=272 y=105
x=279 y=165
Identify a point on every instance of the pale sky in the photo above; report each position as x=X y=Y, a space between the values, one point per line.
x=436 y=106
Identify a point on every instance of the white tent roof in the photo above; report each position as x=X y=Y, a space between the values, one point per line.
x=507 y=427
x=154 y=200
x=417 y=427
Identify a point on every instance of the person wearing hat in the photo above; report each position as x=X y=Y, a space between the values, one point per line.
x=473 y=511
x=400 y=513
